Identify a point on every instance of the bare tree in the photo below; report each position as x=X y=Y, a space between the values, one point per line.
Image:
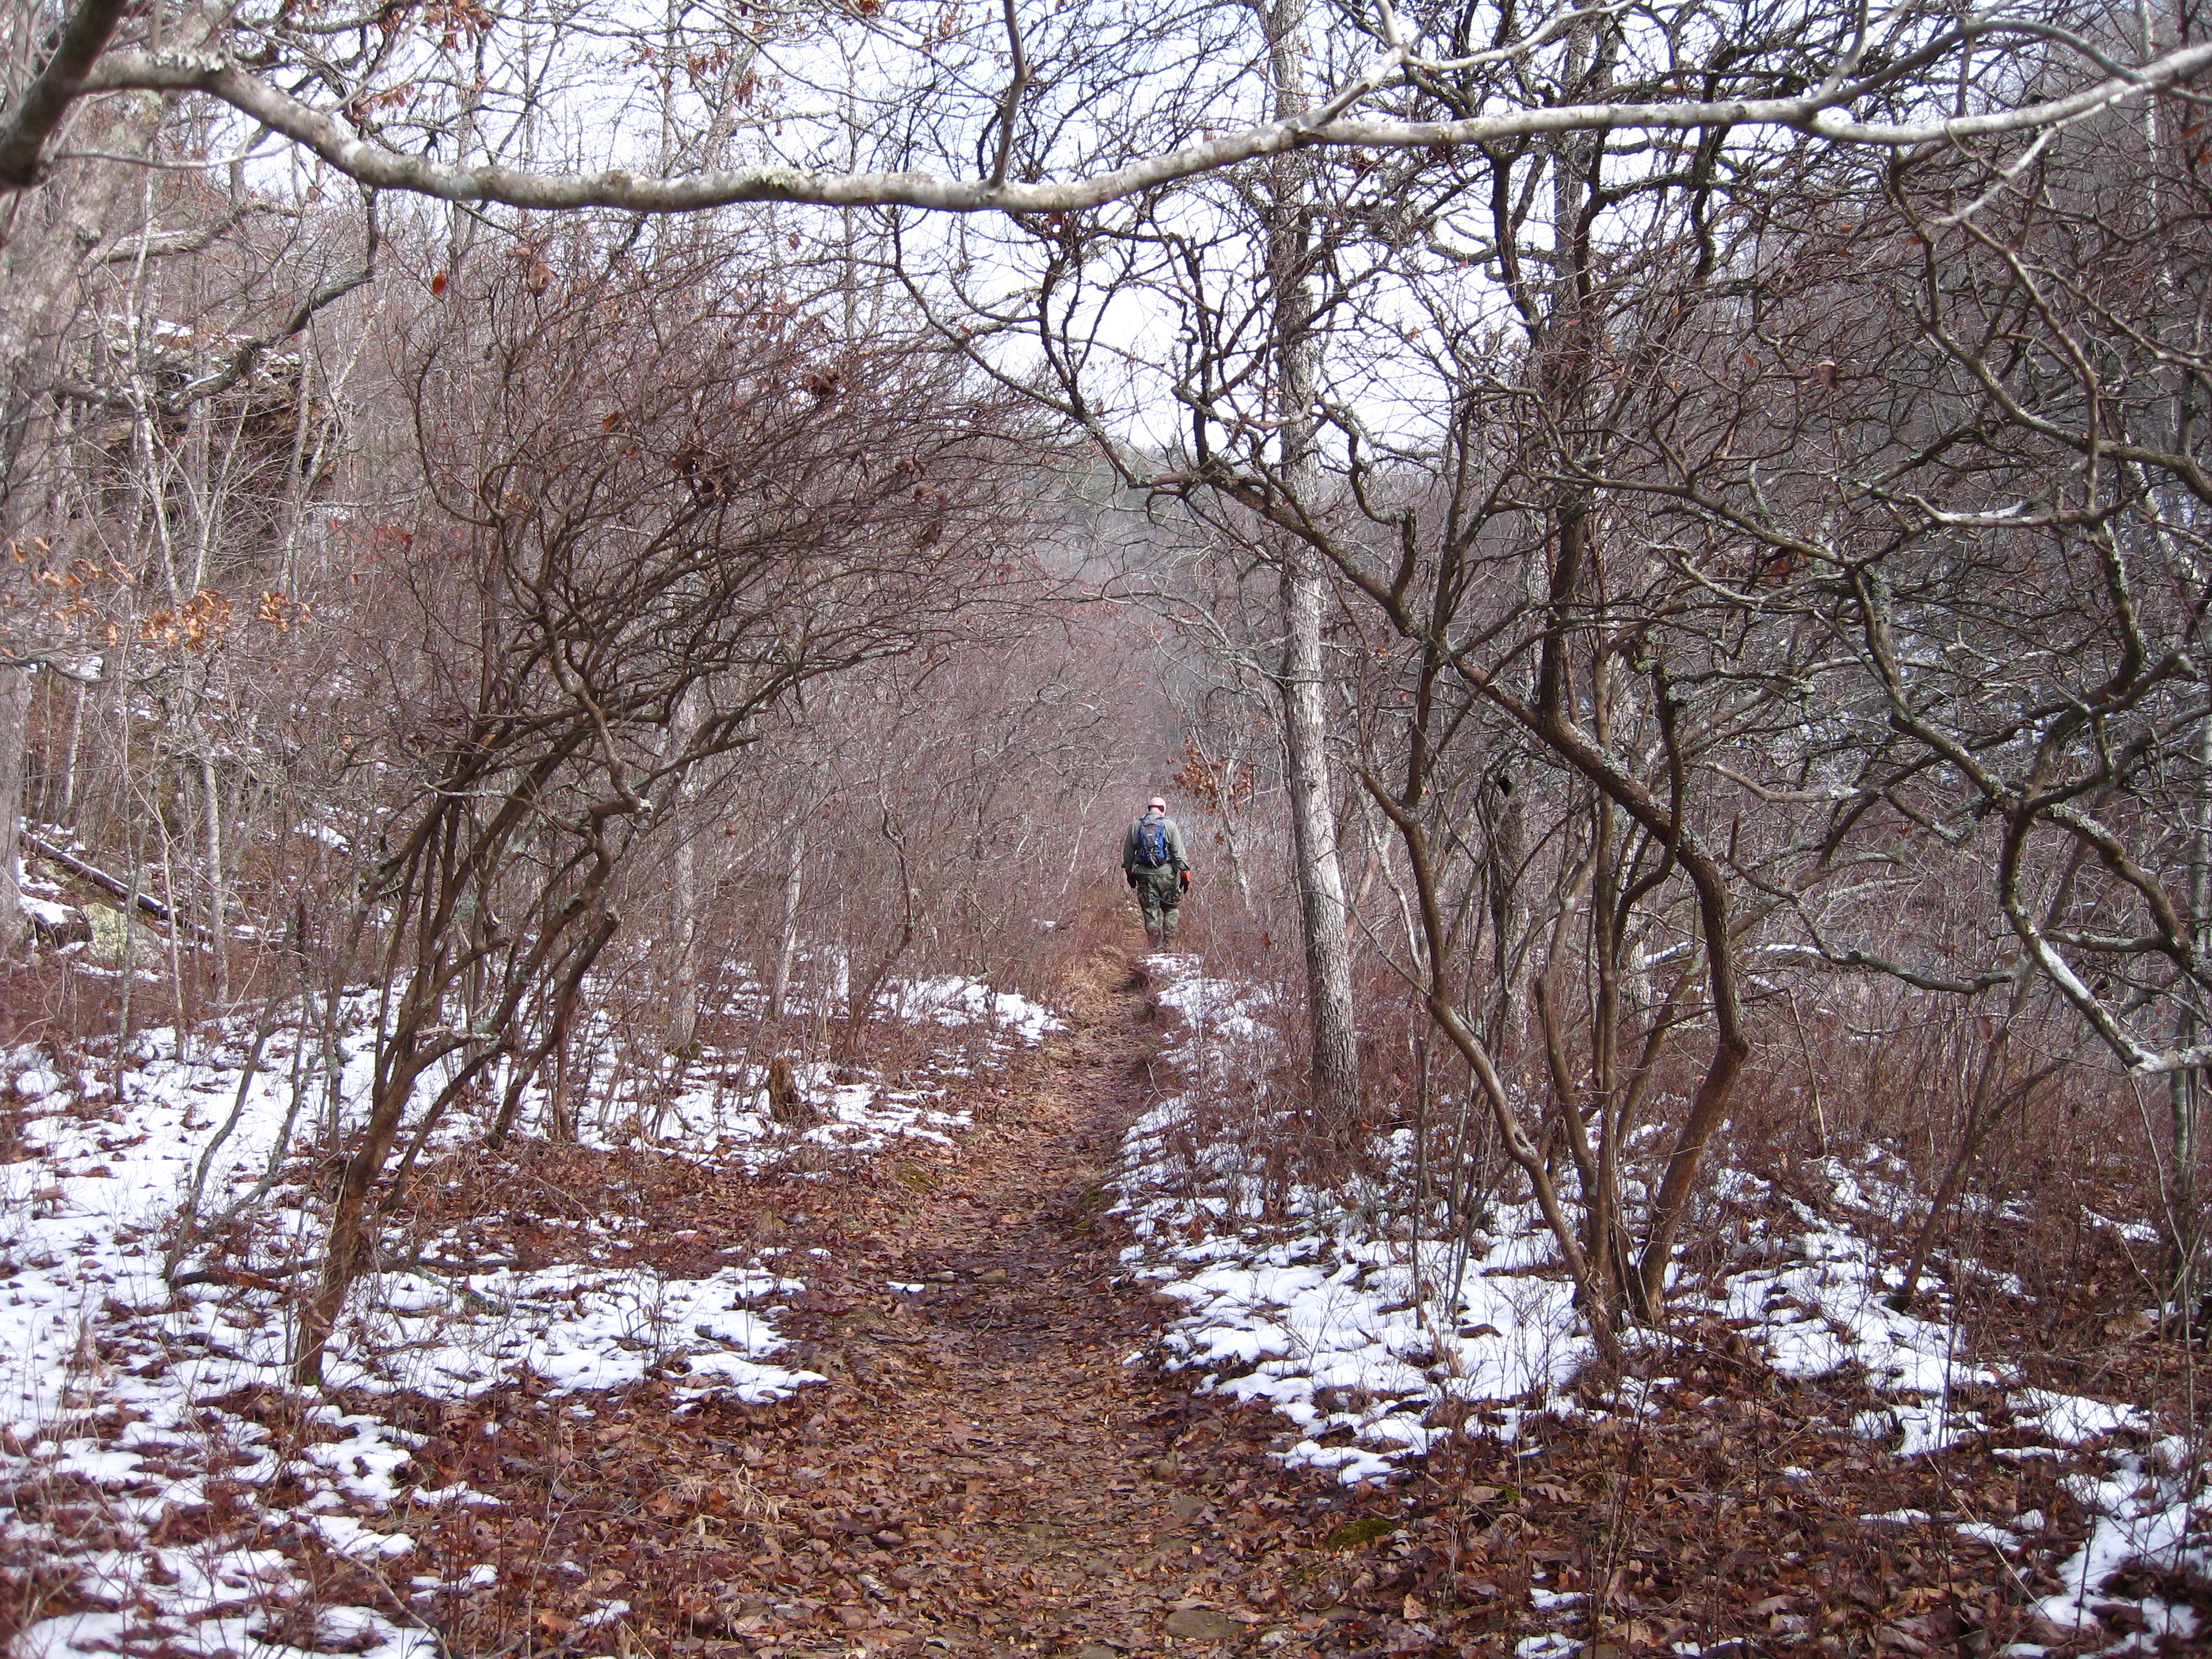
x=663 y=490
x=989 y=94
x=1571 y=499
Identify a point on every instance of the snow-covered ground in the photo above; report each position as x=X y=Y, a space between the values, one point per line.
x=1319 y=1303
x=1821 y=1309
x=1353 y=1332
x=128 y=1408
x=713 y=1107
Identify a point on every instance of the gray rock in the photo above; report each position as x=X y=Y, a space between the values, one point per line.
x=1203 y=1625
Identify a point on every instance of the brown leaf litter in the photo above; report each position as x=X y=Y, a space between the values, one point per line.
x=993 y=1467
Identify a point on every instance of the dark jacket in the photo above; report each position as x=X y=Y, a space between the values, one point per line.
x=1131 y=841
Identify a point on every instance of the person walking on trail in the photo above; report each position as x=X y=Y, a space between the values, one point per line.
x=1153 y=859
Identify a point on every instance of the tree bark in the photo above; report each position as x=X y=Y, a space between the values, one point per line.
x=1322 y=909
x=15 y=722
x=39 y=269
x=684 y=992
x=348 y=1250
x=684 y=988
x=218 y=877
x=787 y=935
x=2186 y=1088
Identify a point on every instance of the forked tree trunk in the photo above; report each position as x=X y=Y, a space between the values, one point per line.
x=349 y=1249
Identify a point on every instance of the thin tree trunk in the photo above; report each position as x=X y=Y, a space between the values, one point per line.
x=76 y=738
x=684 y=992
x=861 y=1000
x=2186 y=1090
x=1322 y=909
x=15 y=727
x=218 y=883
x=1483 y=1074
x=1322 y=913
x=1229 y=850
x=787 y=937
x=560 y=1117
x=347 y=1251
x=1980 y=1120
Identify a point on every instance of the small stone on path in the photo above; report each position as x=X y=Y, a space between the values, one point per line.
x=1202 y=1625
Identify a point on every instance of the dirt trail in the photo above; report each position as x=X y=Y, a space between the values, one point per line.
x=1027 y=1478
x=984 y=1472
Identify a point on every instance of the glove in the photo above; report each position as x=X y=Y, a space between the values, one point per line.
x=1186 y=881
x=1129 y=875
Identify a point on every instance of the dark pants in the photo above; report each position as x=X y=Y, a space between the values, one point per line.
x=1159 y=891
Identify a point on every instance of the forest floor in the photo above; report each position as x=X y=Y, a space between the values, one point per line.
x=999 y=1465
x=988 y=1469
x=996 y=1456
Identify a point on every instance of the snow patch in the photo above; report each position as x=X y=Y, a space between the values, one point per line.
x=1352 y=1337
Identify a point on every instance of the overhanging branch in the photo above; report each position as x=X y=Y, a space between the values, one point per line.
x=61 y=80
x=1821 y=114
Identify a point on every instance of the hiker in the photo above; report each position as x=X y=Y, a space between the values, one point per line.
x=1153 y=859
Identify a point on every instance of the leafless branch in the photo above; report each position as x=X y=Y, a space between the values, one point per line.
x=61 y=80
x=1820 y=115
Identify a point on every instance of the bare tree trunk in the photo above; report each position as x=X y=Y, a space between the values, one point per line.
x=1321 y=910
x=560 y=1114
x=41 y=260
x=861 y=1000
x=15 y=722
x=684 y=992
x=2186 y=1088
x=39 y=268
x=349 y=1250
x=68 y=814
x=1322 y=879
x=218 y=882
x=1229 y=849
x=786 y=936
x=1483 y=1078
x=1982 y=1114
x=684 y=988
